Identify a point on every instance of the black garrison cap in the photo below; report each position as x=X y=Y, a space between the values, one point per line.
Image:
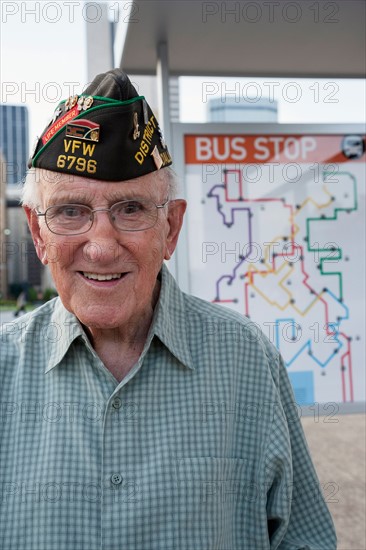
x=107 y=133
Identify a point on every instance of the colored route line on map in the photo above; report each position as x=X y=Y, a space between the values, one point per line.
x=337 y=250
x=346 y=357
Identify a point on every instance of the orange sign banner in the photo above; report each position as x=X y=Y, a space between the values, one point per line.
x=243 y=149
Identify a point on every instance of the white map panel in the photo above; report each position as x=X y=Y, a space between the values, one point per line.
x=276 y=231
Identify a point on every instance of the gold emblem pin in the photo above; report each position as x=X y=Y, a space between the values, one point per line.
x=71 y=102
x=83 y=129
x=80 y=103
x=136 y=131
x=88 y=102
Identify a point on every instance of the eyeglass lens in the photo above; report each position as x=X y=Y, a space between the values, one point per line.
x=131 y=215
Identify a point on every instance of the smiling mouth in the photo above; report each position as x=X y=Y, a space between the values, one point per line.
x=102 y=277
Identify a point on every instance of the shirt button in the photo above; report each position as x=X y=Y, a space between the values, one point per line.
x=117 y=403
x=116 y=479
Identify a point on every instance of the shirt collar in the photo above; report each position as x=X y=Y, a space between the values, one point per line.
x=66 y=329
x=169 y=325
x=170 y=320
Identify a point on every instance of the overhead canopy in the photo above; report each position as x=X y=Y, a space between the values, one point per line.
x=238 y=38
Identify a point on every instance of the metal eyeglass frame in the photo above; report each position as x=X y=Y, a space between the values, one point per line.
x=93 y=210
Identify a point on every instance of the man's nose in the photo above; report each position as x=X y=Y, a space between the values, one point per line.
x=102 y=244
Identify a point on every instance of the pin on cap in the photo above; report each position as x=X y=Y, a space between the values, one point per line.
x=157 y=158
x=106 y=133
x=136 y=126
x=83 y=129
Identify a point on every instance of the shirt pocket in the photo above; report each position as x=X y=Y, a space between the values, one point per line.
x=211 y=504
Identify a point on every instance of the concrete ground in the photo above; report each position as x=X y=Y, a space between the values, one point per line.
x=338 y=450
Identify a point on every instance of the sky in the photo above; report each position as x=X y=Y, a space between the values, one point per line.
x=306 y=100
x=43 y=60
x=39 y=58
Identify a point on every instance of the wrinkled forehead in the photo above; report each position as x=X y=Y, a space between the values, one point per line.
x=59 y=187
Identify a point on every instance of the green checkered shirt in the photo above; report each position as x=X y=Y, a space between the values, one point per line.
x=198 y=448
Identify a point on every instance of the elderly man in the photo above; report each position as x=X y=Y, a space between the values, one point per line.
x=126 y=421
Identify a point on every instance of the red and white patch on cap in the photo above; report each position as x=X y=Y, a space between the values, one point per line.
x=83 y=129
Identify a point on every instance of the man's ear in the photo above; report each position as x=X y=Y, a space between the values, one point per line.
x=33 y=222
x=175 y=216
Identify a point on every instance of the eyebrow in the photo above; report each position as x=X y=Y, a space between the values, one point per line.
x=87 y=199
x=70 y=199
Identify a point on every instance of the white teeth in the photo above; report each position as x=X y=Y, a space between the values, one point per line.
x=98 y=277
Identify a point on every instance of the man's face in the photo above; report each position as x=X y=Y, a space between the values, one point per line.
x=135 y=257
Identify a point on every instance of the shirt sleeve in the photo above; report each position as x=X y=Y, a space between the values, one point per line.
x=297 y=515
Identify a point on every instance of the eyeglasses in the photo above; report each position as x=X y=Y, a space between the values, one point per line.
x=75 y=219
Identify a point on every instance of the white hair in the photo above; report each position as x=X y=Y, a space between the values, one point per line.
x=31 y=195
x=169 y=176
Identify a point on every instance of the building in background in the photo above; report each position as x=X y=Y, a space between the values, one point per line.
x=99 y=41
x=14 y=141
x=23 y=266
x=20 y=266
x=239 y=109
x=101 y=45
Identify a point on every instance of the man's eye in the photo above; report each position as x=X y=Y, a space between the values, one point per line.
x=68 y=211
x=72 y=212
x=131 y=207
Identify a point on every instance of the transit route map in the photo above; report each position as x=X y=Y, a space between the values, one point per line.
x=277 y=232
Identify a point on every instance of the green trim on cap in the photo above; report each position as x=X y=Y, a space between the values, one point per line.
x=83 y=114
x=126 y=102
x=102 y=98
